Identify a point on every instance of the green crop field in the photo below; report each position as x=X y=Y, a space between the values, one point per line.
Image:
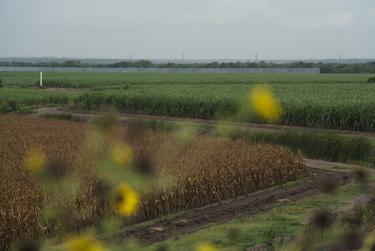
x=343 y=106
x=342 y=101
x=21 y=99
x=96 y=79
x=34 y=96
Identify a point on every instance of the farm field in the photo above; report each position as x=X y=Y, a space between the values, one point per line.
x=92 y=79
x=342 y=101
x=172 y=170
x=331 y=145
x=244 y=168
x=341 y=106
x=34 y=96
x=187 y=126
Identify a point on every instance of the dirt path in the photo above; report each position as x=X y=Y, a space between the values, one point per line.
x=251 y=126
x=193 y=220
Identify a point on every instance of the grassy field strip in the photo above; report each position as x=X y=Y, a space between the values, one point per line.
x=35 y=96
x=196 y=122
x=285 y=221
x=92 y=79
x=331 y=145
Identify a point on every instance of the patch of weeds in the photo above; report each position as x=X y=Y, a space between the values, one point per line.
x=268 y=239
x=371 y=80
x=10 y=106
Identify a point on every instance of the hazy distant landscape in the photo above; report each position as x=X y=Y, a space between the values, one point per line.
x=221 y=125
x=187 y=61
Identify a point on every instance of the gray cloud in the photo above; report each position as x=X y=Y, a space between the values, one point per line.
x=203 y=29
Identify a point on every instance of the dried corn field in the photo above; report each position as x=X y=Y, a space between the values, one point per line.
x=202 y=171
x=212 y=169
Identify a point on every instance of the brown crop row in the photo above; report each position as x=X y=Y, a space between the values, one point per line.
x=204 y=171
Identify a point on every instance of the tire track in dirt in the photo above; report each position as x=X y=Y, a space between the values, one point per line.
x=250 y=204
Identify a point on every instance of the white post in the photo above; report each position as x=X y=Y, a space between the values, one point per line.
x=41 y=79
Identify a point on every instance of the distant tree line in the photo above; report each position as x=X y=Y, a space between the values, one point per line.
x=324 y=67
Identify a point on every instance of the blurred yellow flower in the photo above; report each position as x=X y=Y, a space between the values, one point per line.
x=186 y=135
x=35 y=159
x=83 y=243
x=206 y=247
x=121 y=154
x=264 y=104
x=125 y=200
x=369 y=242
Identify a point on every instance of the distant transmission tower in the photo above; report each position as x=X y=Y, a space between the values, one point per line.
x=256 y=56
x=130 y=57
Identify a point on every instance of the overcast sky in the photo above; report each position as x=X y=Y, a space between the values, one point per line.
x=204 y=29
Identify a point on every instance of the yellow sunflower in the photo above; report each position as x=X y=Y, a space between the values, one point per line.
x=83 y=243
x=206 y=247
x=125 y=200
x=264 y=104
x=35 y=159
x=121 y=154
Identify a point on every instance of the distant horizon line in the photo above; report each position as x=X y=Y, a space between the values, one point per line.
x=188 y=59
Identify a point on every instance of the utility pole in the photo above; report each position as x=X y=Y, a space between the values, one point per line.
x=41 y=80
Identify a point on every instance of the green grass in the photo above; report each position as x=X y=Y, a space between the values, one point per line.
x=34 y=96
x=285 y=221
